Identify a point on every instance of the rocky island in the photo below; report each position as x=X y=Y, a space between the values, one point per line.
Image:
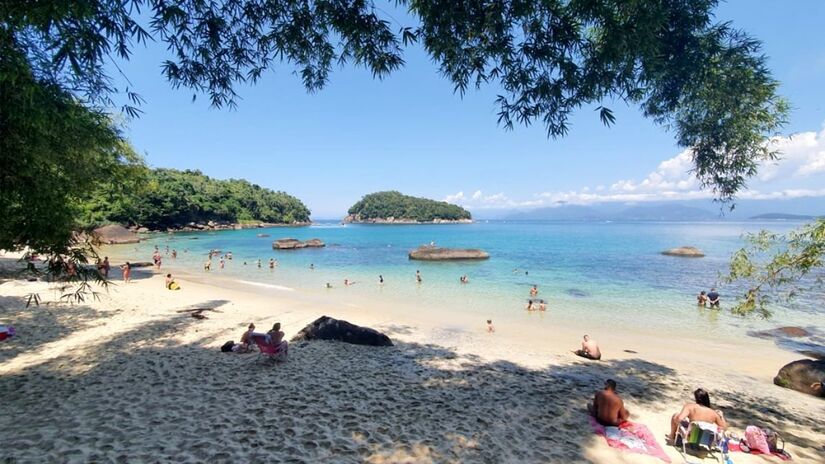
x=396 y=208
x=431 y=253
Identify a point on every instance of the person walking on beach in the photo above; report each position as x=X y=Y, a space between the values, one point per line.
x=127 y=272
x=713 y=298
x=418 y=276
x=589 y=349
x=104 y=267
x=607 y=407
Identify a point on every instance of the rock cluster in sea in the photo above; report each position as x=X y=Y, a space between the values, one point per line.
x=294 y=243
x=685 y=252
x=431 y=253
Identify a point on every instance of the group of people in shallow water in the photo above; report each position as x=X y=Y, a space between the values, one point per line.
x=708 y=299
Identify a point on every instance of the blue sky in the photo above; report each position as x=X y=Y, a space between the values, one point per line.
x=411 y=133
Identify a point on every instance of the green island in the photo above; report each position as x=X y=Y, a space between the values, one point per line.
x=161 y=199
x=392 y=207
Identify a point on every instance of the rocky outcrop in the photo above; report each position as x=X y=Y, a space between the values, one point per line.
x=294 y=244
x=685 y=252
x=805 y=375
x=115 y=234
x=327 y=328
x=431 y=253
x=781 y=332
x=357 y=219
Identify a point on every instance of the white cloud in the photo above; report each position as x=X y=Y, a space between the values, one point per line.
x=799 y=172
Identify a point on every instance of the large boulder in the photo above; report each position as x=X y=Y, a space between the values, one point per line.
x=431 y=253
x=782 y=332
x=805 y=375
x=685 y=252
x=287 y=244
x=327 y=328
x=294 y=243
x=116 y=234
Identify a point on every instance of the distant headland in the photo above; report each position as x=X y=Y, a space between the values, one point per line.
x=396 y=208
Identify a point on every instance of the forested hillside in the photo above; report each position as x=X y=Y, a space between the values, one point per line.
x=164 y=198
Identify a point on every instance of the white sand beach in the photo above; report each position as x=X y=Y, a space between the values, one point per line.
x=134 y=378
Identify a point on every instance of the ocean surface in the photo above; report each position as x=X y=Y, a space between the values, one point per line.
x=612 y=272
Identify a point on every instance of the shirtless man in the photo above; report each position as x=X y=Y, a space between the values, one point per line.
x=607 y=407
x=698 y=411
x=590 y=349
x=534 y=291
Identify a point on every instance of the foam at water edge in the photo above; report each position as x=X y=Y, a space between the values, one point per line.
x=259 y=284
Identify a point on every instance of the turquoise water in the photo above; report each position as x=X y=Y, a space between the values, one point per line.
x=612 y=272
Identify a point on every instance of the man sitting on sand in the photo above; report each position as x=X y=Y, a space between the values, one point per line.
x=590 y=349
x=607 y=408
x=700 y=411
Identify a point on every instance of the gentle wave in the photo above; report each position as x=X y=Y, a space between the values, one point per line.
x=259 y=284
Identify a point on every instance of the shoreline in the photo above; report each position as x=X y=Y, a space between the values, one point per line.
x=655 y=378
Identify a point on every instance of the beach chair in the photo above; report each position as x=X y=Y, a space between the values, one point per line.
x=267 y=349
x=702 y=437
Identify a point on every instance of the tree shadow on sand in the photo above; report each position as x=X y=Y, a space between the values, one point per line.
x=142 y=395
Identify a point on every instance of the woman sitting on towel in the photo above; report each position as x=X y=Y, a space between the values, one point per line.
x=700 y=411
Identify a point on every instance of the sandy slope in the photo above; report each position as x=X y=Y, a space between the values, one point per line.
x=129 y=378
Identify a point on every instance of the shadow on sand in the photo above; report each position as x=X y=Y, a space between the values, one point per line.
x=141 y=395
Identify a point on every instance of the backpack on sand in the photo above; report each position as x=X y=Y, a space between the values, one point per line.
x=227 y=347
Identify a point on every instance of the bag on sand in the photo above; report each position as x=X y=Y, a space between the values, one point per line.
x=227 y=347
x=757 y=439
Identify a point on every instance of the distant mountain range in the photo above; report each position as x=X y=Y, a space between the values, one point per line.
x=661 y=211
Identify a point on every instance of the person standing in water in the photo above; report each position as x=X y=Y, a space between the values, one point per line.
x=418 y=276
x=127 y=272
x=381 y=279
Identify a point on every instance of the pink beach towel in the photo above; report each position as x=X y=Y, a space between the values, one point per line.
x=631 y=437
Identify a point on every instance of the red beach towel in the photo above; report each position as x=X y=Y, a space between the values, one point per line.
x=631 y=437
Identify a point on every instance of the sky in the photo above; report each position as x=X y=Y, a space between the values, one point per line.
x=412 y=133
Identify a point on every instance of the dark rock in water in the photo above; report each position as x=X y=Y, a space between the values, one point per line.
x=577 y=293
x=431 y=253
x=327 y=328
x=141 y=264
x=684 y=252
x=805 y=375
x=781 y=332
x=294 y=244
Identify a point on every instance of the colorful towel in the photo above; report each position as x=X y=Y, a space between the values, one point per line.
x=631 y=437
